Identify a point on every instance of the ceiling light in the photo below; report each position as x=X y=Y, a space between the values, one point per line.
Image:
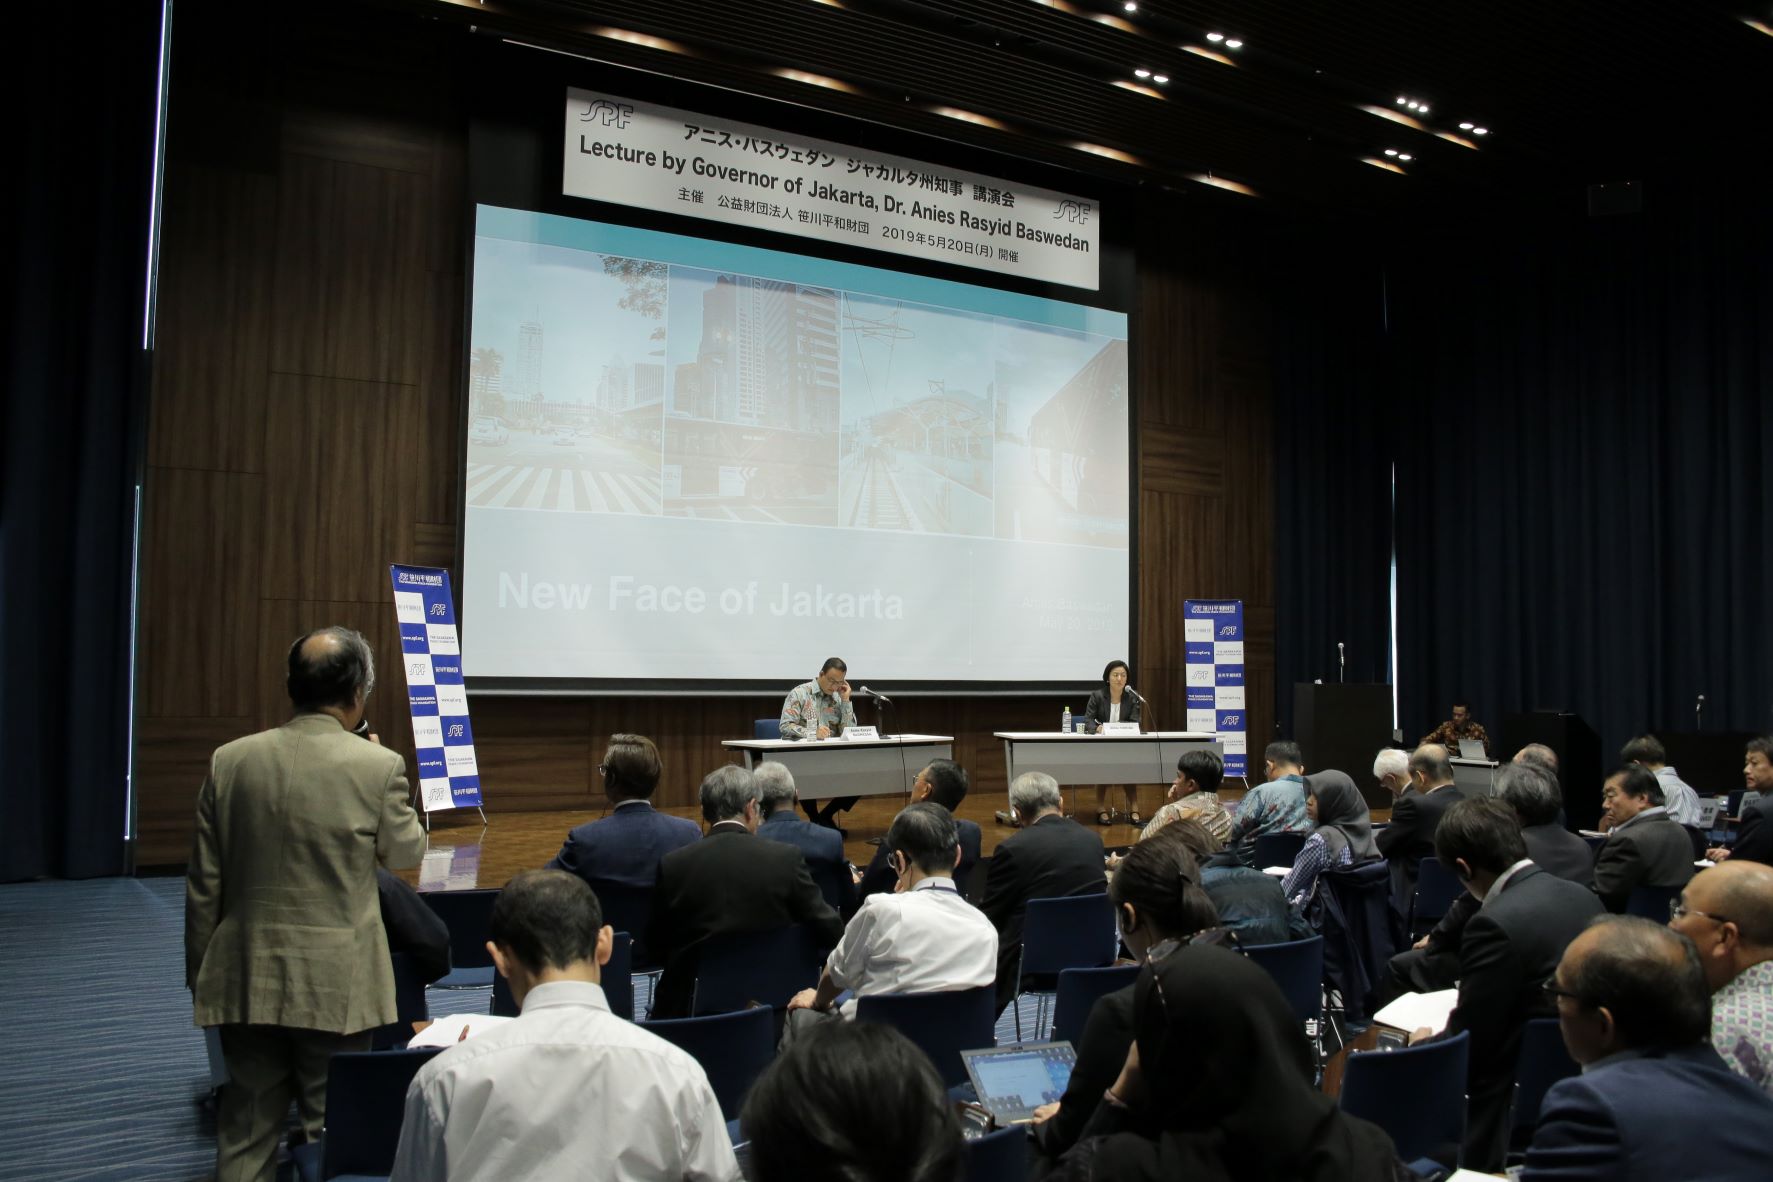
x=1404 y=156
x=1234 y=44
x=1465 y=127
x=1387 y=165
x=1160 y=79
x=1219 y=182
x=1391 y=151
x=1401 y=100
x=1141 y=73
x=1109 y=153
x=1423 y=107
x=1130 y=6
x=969 y=117
x=1480 y=131
x=1215 y=37
x=1209 y=54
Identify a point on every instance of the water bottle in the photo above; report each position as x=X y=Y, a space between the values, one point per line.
x=1065 y=721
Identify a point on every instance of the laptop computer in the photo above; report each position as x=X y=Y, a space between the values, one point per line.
x=1013 y=1081
x=1472 y=749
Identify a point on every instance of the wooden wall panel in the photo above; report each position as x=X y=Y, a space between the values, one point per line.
x=171 y=759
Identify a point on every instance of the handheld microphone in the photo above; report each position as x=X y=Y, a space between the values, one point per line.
x=878 y=697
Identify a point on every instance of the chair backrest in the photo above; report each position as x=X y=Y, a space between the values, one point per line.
x=733 y=1049
x=1436 y=888
x=831 y=881
x=739 y=969
x=1001 y=1156
x=468 y=916
x=1651 y=902
x=618 y=983
x=1700 y=839
x=627 y=908
x=1074 y=932
x=365 y=1105
x=1277 y=849
x=409 y=1005
x=766 y=728
x=1077 y=993
x=1358 y=925
x=1298 y=968
x=941 y=1024
x=1416 y=1094
x=1544 y=1061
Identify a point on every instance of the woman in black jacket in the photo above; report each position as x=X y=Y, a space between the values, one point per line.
x=1114 y=703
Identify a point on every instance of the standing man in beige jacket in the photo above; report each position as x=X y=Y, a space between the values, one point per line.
x=284 y=948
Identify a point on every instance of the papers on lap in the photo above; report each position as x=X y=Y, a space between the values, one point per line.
x=454 y=1028
x=1415 y=1010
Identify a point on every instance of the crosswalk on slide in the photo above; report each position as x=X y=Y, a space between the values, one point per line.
x=563 y=490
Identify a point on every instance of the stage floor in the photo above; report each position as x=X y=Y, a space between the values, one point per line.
x=464 y=855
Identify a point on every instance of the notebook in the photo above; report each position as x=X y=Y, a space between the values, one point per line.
x=1013 y=1081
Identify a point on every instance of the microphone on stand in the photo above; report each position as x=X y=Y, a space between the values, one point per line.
x=1698 y=709
x=868 y=693
x=1341 y=661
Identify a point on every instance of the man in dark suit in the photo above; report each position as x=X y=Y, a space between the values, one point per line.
x=1050 y=857
x=1754 y=839
x=727 y=882
x=1524 y=921
x=1415 y=814
x=626 y=846
x=820 y=845
x=942 y=782
x=1644 y=847
x=1654 y=1100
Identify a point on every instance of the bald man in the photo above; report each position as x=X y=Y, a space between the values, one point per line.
x=1728 y=914
x=1632 y=1007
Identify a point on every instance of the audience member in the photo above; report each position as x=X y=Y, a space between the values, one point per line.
x=1643 y=847
x=413 y=928
x=1158 y=903
x=1195 y=795
x=566 y=1089
x=820 y=845
x=943 y=782
x=1219 y=1085
x=1540 y=754
x=852 y=1102
x=1251 y=904
x=1728 y=914
x=1409 y=837
x=1754 y=836
x=626 y=846
x=284 y=945
x=1448 y=734
x=1391 y=767
x=729 y=882
x=1678 y=796
x=1654 y=1101
x=1343 y=836
x=1049 y=857
x=1276 y=806
x=922 y=938
x=1525 y=920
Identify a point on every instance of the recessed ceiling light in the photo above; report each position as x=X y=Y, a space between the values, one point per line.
x=1391 y=151
x=1404 y=156
x=1480 y=131
x=1130 y=6
x=1215 y=36
x=1141 y=73
x=1234 y=44
x=1401 y=100
x=1160 y=79
x=1465 y=127
x=1423 y=107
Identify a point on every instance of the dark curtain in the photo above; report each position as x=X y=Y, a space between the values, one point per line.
x=1334 y=441
x=1583 y=487
x=75 y=253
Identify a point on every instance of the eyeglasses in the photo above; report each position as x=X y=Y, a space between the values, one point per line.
x=1678 y=909
x=1554 y=991
x=603 y=769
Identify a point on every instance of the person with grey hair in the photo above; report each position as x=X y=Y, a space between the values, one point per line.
x=729 y=882
x=822 y=847
x=1632 y=1006
x=1415 y=815
x=285 y=950
x=1050 y=856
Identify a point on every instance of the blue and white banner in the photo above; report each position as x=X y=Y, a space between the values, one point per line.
x=1213 y=635
x=431 y=656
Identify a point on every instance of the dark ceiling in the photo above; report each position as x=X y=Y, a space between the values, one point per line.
x=1570 y=91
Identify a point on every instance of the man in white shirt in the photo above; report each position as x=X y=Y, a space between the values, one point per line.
x=924 y=937
x=567 y=1089
x=1677 y=795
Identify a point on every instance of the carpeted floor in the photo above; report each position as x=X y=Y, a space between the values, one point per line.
x=104 y=1075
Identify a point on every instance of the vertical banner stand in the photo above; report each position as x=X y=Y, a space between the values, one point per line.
x=1213 y=637
x=431 y=658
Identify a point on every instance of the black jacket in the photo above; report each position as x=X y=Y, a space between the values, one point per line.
x=412 y=927
x=1409 y=837
x=1754 y=841
x=1101 y=1053
x=1652 y=851
x=1096 y=710
x=730 y=881
x=1050 y=859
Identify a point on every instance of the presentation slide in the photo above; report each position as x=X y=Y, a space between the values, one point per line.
x=690 y=460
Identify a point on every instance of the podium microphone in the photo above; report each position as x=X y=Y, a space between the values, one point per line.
x=868 y=693
x=1698 y=709
x=1341 y=662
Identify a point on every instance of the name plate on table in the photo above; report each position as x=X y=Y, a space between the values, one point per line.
x=1119 y=728
x=861 y=732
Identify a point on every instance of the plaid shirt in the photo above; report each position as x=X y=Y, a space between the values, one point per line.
x=1742 y=1024
x=807 y=708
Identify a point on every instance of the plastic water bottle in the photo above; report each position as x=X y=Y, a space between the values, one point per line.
x=1065 y=722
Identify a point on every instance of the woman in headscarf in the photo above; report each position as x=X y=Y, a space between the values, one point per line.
x=1219 y=1086
x=1343 y=837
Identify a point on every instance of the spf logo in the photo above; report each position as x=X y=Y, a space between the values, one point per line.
x=1073 y=211
x=1228 y=630
x=608 y=114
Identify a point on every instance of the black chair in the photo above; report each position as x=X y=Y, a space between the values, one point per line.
x=1416 y=1094
x=754 y=968
x=618 y=984
x=1079 y=990
x=832 y=881
x=1277 y=849
x=1298 y=968
x=1001 y=1156
x=628 y=908
x=409 y=1005
x=1073 y=932
x=365 y=1107
x=733 y=1050
x=1701 y=840
x=1651 y=902
x=1361 y=931
x=941 y=1024
x=468 y=916
x=1436 y=888
x=1544 y=1060
x=766 y=728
